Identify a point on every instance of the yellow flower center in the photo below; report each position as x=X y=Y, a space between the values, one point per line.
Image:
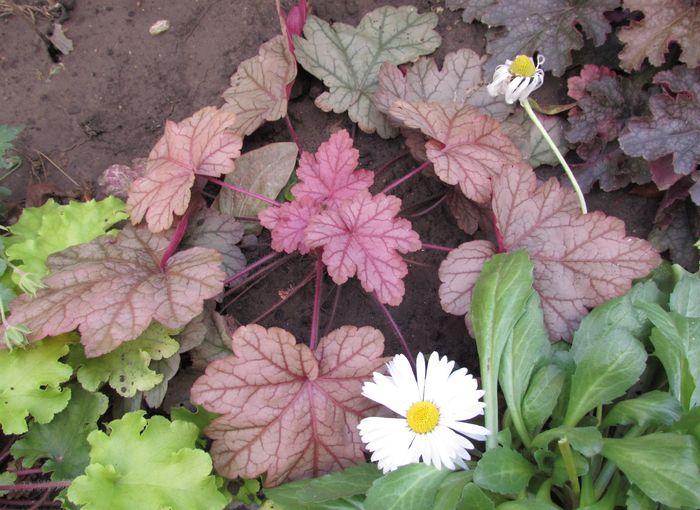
x=423 y=417
x=523 y=66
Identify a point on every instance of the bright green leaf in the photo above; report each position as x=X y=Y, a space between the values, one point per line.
x=7 y=135
x=689 y=423
x=7 y=478
x=147 y=464
x=653 y=409
x=348 y=58
x=541 y=397
x=503 y=471
x=604 y=371
x=200 y=417
x=42 y=231
x=586 y=440
x=664 y=466
x=64 y=440
x=248 y=492
x=30 y=383
x=126 y=368
x=411 y=487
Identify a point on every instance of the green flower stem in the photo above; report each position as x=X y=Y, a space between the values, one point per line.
x=569 y=464
x=579 y=194
x=489 y=377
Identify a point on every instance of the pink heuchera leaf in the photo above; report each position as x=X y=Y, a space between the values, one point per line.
x=364 y=236
x=589 y=73
x=326 y=179
x=294 y=21
x=112 y=288
x=199 y=145
x=467 y=148
x=288 y=411
x=580 y=261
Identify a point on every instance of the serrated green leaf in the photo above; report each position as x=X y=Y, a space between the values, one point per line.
x=348 y=58
x=411 y=487
x=605 y=369
x=664 y=466
x=147 y=463
x=64 y=440
x=51 y=228
x=685 y=298
x=30 y=383
x=503 y=471
x=7 y=136
x=541 y=396
x=653 y=409
x=587 y=440
x=127 y=368
x=248 y=492
x=449 y=493
x=473 y=498
x=286 y=497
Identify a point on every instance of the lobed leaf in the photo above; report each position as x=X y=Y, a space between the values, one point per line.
x=111 y=290
x=580 y=261
x=147 y=463
x=287 y=411
x=199 y=145
x=348 y=58
x=670 y=21
x=364 y=237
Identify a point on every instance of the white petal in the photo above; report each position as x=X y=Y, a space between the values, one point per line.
x=469 y=429
x=512 y=87
x=420 y=372
x=385 y=392
x=402 y=373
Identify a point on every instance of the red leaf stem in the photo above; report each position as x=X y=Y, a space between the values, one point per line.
x=395 y=328
x=250 y=267
x=292 y=132
x=334 y=308
x=6 y=451
x=436 y=247
x=29 y=472
x=177 y=236
x=260 y=273
x=432 y=206
x=289 y=294
x=19 y=503
x=388 y=164
x=317 y=303
x=406 y=177
x=41 y=502
x=244 y=191
x=60 y=484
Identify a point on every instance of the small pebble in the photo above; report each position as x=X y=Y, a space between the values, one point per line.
x=159 y=27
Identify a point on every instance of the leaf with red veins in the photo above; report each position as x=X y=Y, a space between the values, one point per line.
x=199 y=145
x=589 y=73
x=329 y=176
x=112 y=288
x=467 y=148
x=469 y=215
x=580 y=261
x=364 y=237
x=288 y=411
x=287 y=224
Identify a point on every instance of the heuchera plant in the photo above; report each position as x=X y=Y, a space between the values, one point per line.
x=608 y=418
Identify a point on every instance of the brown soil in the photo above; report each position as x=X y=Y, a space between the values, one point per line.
x=109 y=98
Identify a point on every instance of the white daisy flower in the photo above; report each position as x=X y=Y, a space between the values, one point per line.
x=517 y=79
x=433 y=407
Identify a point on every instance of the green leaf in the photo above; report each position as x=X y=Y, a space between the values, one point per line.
x=64 y=440
x=7 y=478
x=528 y=504
x=51 y=228
x=126 y=368
x=248 y=492
x=199 y=417
x=541 y=397
x=503 y=471
x=264 y=171
x=473 y=498
x=352 y=481
x=689 y=423
x=605 y=369
x=348 y=58
x=560 y=475
x=411 y=487
x=586 y=440
x=7 y=135
x=637 y=500
x=685 y=298
x=449 y=493
x=652 y=409
x=30 y=383
x=147 y=464
x=664 y=466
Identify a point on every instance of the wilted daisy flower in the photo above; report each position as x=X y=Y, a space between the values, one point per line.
x=433 y=407
x=517 y=78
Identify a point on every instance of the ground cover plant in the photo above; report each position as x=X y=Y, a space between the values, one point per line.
x=586 y=338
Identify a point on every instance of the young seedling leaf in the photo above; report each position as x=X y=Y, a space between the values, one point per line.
x=348 y=58
x=203 y=144
x=289 y=412
x=30 y=383
x=548 y=27
x=111 y=290
x=264 y=171
x=7 y=136
x=63 y=441
x=210 y=229
x=258 y=91
x=466 y=147
x=51 y=228
x=116 y=179
x=364 y=237
x=671 y=21
x=127 y=368
x=581 y=261
x=147 y=463
x=459 y=82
